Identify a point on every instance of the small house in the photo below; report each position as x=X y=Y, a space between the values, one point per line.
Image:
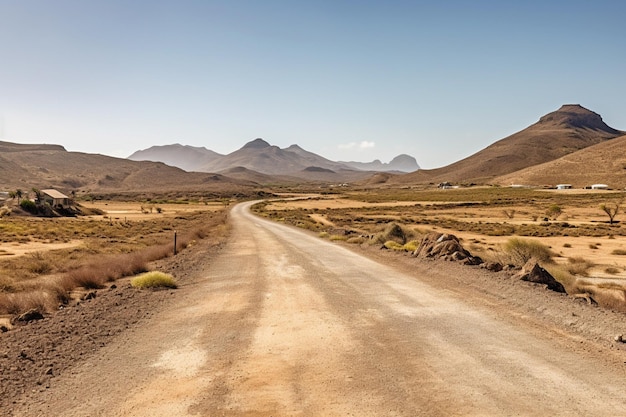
x=563 y=186
x=599 y=187
x=55 y=198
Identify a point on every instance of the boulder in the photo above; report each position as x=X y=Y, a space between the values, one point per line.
x=445 y=246
x=533 y=272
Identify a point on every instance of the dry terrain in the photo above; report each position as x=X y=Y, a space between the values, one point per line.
x=587 y=251
x=280 y=322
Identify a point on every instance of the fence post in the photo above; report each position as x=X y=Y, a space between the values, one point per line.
x=174 y=242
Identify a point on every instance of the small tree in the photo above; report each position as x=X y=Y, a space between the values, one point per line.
x=509 y=213
x=19 y=193
x=611 y=210
x=38 y=195
x=554 y=211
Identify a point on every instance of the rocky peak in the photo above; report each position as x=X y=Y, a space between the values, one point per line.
x=575 y=115
x=256 y=144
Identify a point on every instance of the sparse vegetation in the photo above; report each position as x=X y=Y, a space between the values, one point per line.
x=620 y=252
x=611 y=210
x=154 y=279
x=554 y=211
x=109 y=251
x=519 y=251
x=579 y=266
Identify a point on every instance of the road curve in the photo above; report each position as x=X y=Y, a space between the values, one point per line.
x=286 y=324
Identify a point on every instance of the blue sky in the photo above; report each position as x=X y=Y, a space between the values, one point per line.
x=349 y=80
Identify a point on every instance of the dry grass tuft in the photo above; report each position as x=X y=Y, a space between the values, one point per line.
x=519 y=251
x=154 y=279
x=579 y=266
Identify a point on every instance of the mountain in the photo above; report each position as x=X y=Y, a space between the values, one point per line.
x=51 y=166
x=603 y=163
x=401 y=163
x=189 y=158
x=261 y=157
x=562 y=132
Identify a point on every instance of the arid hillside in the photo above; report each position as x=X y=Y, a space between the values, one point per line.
x=51 y=166
x=604 y=163
x=567 y=130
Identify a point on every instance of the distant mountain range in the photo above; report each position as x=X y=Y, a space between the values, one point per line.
x=571 y=145
x=259 y=156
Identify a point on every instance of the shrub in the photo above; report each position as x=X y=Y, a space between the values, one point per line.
x=357 y=240
x=393 y=232
x=18 y=303
x=567 y=245
x=393 y=245
x=520 y=251
x=29 y=206
x=324 y=235
x=612 y=270
x=579 y=266
x=411 y=246
x=154 y=279
x=618 y=252
x=83 y=277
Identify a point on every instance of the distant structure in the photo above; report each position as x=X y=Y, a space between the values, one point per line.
x=55 y=198
x=563 y=186
x=599 y=187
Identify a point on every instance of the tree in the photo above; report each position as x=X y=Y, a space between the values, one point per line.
x=554 y=211
x=38 y=195
x=19 y=193
x=611 y=210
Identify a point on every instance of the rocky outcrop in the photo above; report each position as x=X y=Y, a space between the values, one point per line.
x=445 y=246
x=533 y=272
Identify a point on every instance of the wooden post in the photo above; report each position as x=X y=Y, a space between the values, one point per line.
x=174 y=242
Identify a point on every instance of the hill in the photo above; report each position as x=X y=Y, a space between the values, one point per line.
x=51 y=166
x=604 y=163
x=401 y=163
x=260 y=156
x=189 y=158
x=567 y=130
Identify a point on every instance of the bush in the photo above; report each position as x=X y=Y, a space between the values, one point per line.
x=393 y=245
x=579 y=266
x=28 y=206
x=393 y=232
x=520 y=251
x=411 y=246
x=154 y=279
x=618 y=252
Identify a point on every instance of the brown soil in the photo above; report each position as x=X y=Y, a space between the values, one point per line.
x=33 y=354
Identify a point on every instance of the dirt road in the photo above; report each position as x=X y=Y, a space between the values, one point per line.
x=285 y=324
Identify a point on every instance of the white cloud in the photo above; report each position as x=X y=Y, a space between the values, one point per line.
x=358 y=145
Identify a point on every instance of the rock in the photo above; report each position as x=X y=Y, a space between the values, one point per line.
x=493 y=266
x=30 y=315
x=90 y=295
x=445 y=246
x=533 y=272
x=619 y=338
